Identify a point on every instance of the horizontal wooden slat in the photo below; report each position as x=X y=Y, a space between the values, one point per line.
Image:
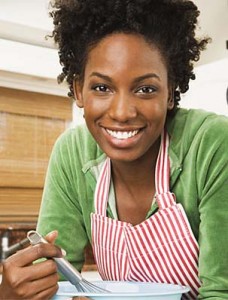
x=19 y=205
x=25 y=146
x=35 y=104
x=18 y=219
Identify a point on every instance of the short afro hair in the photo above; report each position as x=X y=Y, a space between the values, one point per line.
x=169 y=24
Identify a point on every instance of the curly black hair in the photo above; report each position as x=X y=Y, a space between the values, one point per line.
x=169 y=24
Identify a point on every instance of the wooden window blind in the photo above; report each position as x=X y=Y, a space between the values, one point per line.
x=29 y=125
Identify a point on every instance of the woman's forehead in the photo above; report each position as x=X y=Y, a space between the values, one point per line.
x=118 y=51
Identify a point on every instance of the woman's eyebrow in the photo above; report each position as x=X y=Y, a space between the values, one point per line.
x=146 y=76
x=97 y=74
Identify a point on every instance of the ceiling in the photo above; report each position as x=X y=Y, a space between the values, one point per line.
x=28 y=21
x=33 y=13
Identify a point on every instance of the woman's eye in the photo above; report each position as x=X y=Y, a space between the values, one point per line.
x=146 y=90
x=101 y=88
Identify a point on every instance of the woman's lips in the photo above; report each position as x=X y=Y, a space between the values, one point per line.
x=123 y=139
x=122 y=135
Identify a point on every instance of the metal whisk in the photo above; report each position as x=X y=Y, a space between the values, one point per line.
x=67 y=270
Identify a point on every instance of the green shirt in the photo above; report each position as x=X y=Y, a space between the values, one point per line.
x=198 y=153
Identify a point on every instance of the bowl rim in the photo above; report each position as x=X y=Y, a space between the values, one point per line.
x=180 y=290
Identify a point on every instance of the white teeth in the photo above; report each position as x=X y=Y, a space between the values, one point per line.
x=122 y=135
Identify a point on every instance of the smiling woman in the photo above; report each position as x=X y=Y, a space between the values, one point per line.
x=144 y=181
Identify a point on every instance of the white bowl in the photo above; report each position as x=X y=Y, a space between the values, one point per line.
x=125 y=290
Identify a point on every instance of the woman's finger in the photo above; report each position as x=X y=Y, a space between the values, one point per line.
x=51 y=236
x=41 y=285
x=46 y=294
x=27 y=256
x=40 y=270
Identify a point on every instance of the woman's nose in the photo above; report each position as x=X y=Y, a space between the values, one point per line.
x=122 y=108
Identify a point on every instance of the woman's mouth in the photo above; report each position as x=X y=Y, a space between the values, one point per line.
x=122 y=135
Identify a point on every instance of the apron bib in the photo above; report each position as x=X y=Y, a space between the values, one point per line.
x=161 y=249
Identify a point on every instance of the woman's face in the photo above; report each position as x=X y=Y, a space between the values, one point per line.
x=125 y=95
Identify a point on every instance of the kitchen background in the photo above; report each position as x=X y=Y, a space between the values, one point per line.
x=34 y=109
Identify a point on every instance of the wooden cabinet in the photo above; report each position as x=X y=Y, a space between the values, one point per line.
x=29 y=125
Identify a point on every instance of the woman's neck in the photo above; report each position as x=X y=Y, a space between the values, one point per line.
x=134 y=185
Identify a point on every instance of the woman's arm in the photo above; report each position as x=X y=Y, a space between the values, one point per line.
x=60 y=209
x=212 y=172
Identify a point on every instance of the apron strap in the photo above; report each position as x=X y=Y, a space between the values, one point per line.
x=163 y=196
x=102 y=188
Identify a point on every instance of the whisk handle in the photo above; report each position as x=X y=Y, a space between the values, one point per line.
x=64 y=267
x=68 y=270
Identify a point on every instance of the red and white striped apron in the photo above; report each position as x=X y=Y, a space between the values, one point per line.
x=160 y=249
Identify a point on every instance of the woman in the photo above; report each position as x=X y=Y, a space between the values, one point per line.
x=145 y=182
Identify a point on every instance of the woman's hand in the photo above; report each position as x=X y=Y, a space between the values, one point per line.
x=23 y=280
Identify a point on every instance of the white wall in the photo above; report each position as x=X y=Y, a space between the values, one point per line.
x=213 y=22
x=208 y=91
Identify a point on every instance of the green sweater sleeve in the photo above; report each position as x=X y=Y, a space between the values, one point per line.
x=212 y=185
x=61 y=209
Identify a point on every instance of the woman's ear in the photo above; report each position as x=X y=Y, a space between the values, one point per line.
x=170 y=99
x=77 y=87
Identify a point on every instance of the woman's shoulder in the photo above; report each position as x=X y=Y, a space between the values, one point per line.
x=76 y=133
x=195 y=128
x=195 y=121
x=77 y=141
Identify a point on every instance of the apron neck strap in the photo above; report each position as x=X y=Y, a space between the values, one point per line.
x=163 y=196
x=162 y=166
x=102 y=188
